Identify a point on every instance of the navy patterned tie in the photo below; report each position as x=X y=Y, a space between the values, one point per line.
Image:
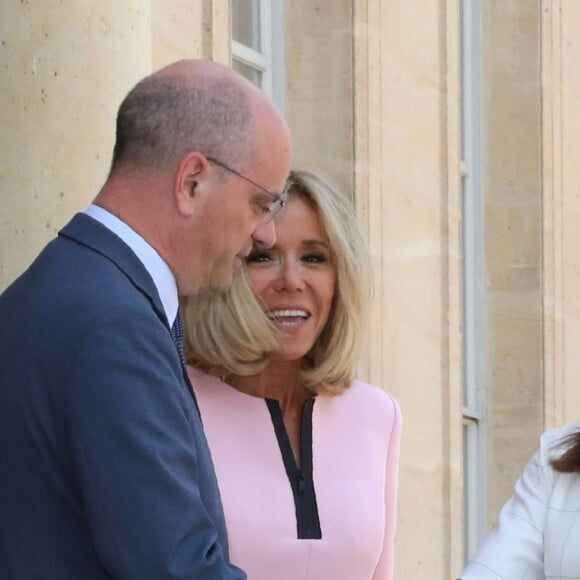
x=177 y=335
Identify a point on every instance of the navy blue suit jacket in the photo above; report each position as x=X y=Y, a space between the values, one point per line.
x=105 y=471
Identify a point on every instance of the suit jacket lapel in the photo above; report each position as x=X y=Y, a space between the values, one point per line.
x=92 y=234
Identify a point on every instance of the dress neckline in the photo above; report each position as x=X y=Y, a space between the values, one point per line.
x=301 y=478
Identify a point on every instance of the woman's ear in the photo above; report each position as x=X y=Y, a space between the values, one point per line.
x=190 y=173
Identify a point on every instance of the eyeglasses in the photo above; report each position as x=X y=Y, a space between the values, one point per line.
x=278 y=199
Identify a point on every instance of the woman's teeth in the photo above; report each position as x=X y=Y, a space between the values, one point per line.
x=277 y=314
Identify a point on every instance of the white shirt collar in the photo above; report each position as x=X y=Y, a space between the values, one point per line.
x=154 y=264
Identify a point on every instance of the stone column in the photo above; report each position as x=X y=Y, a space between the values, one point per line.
x=407 y=198
x=561 y=209
x=319 y=87
x=66 y=66
x=513 y=241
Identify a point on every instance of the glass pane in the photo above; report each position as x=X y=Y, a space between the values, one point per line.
x=246 y=23
x=468 y=384
x=466 y=494
x=472 y=488
x=250 y=73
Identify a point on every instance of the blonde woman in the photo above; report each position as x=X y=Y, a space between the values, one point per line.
x=306 y=456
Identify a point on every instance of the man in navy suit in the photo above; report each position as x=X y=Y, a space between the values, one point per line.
x=104 y=468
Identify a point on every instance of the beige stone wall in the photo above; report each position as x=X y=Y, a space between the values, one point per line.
x=177 y=31
x=366 y=107
x=552 y=177
x=562 y=209
x=319 y=86
x=513 y=241
x=373 y=101
x=65 y=66
x=190 y=29
x=570 y=147
x=406 y=163
x=368 y=102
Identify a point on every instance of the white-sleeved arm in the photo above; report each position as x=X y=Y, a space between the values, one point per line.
x=515 y=549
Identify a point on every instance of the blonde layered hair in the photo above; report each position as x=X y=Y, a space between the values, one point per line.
x=229 y=334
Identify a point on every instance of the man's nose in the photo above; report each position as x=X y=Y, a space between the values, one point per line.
x=265 y=234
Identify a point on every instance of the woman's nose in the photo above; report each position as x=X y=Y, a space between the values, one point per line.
x=290 y=277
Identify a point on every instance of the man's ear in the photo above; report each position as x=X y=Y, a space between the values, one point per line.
x=189 y=178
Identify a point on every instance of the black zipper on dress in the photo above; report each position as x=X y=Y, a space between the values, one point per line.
x=300 y=478
x=301 y=482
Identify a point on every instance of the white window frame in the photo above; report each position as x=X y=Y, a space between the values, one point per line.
x=474 y=468
x=270 y=60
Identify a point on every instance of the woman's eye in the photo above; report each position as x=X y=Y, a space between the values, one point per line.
x=315 y=258
x=257 y=256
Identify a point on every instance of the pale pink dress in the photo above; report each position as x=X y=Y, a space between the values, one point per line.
x=355 y=456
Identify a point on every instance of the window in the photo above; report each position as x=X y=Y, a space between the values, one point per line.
x=257 y=44
x=473 y=278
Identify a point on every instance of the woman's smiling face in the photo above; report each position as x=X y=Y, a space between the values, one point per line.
x=296 y=279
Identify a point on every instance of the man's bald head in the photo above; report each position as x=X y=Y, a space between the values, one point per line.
x=189 y=105
x=201 y=217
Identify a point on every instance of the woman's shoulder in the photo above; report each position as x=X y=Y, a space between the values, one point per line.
x=552 y=435
x=208 y=386
x=219 y=401
x=552 y=441
x=201 y=377
x=365 y=391
x=370 y=402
